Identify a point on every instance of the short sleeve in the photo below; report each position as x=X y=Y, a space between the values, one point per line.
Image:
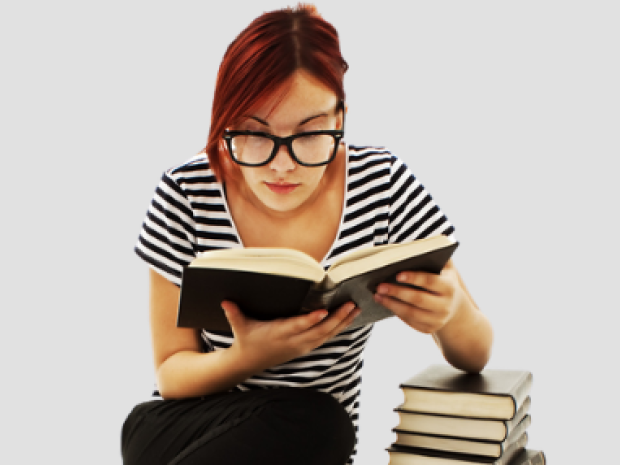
x=412 y=213
x=167 y=238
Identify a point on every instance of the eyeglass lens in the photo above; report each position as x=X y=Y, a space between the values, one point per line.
x=255 y=149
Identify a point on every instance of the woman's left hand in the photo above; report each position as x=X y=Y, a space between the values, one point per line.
x=429 y=309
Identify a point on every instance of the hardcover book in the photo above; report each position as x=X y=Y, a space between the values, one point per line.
x=462 y=445
x=270 y=283
x=529 y=457
x=444 y=390
x=401 y=455
x=472 y=428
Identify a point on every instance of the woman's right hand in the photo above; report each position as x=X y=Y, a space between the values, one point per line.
x=263 y=344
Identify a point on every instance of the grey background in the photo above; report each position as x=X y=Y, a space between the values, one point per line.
x=508 y=112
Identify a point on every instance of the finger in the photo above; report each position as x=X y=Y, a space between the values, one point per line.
x=345 y=323
x=301 y=323
x=233 y=314
x=421 y=319
x=337 y=319
x=417 y=298
x=230 y=308
x=428 y=281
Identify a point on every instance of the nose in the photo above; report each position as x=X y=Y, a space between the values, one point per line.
x=283 y=161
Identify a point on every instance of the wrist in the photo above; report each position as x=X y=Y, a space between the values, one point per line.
x=465 y=341
x=464 y=316
x=242 y=363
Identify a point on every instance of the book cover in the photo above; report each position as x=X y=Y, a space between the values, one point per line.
x=472 y=428
x=529 y=457
x=442 y=389
x=402 y=455
x=279 y=294
x=462 y=445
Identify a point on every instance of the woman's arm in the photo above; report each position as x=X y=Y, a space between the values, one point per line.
x=182 y=370
x=446 y=310
x=466 y=340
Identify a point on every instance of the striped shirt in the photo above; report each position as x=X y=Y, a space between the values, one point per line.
x=384 y=203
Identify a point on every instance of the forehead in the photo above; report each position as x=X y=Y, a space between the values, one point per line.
x=301 y=97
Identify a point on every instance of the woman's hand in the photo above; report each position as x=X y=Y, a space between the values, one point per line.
x=263 y=344
x=445 y=309
x=428 y=309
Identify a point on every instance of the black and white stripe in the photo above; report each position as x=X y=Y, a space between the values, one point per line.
x=384 y=203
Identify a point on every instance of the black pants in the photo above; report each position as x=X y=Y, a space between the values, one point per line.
x=272 y=426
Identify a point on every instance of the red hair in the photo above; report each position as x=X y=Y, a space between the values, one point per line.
x=261 y=60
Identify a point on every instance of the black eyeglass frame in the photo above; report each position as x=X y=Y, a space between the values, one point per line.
x=337 y=134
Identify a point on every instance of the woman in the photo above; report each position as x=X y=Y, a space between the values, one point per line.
x=276 y=173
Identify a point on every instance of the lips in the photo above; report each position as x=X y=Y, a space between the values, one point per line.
x=281 y=187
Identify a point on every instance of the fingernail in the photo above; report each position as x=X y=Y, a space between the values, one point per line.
x=382 y=289
x=401 y=277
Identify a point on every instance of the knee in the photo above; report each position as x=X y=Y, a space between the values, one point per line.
x=127 y=435
x=315 y=422
x=136 y=435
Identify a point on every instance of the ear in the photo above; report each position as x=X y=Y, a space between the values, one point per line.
x=230 y=170
x=341 y=114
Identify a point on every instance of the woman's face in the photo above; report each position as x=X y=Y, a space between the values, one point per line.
x=283 y=186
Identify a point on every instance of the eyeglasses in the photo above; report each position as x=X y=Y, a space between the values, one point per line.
x=312 y=148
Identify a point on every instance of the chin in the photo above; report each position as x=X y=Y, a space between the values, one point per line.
x=282 y=203
x=281 y=206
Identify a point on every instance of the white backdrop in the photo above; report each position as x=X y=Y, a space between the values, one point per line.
x=508 y=112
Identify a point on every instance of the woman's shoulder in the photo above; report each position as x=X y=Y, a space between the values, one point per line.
x=195 y=172
x=197 y=165
x=372 y=154
x=362 y=157
x=191 y=178
x=368 y=151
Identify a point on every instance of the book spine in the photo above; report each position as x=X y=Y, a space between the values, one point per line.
x=318 y=298
x=523 y=410
x=517 y=433
x=530 y=457
x=538 y=459
x=522 y=391
x=512 y=450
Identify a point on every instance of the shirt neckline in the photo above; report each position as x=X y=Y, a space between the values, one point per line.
x=345 y=198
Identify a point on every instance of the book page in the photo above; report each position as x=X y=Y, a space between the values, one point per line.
x=364 y=260
x=269 y=260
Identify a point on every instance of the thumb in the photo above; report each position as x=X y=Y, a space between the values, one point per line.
x=233 y=314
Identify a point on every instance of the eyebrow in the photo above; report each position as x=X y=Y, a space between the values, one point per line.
x=307 y=120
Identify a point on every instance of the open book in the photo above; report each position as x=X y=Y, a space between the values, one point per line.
x=270 y=283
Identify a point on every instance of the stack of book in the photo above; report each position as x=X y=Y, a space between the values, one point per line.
x=450 y=417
